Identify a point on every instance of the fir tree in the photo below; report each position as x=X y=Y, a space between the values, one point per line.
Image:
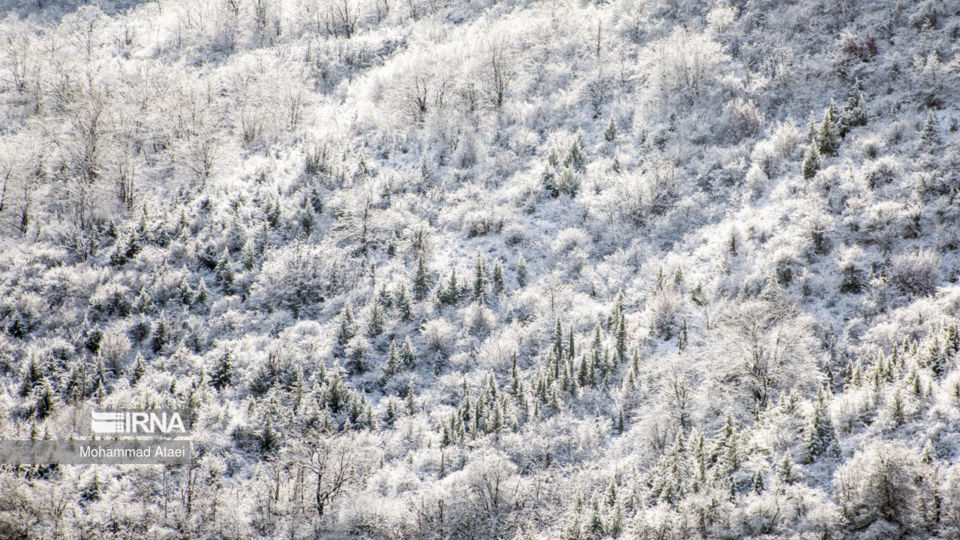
x=139 y=368
x=610 y=134
x=222 y=374
x=403 y=304
x=820 y=432
x=811 y=162
x=411 y=400
x=347 y=328
x=161 y=335
x=375 y=324
x=930 y=133
x=45 y=399
x=786 y=470
x=827 y=142
x=421 y=280
x=497 y=280
x=480 y=280
x=394 y=363
x=224 y=272
x=408 y=355
x=521 y=270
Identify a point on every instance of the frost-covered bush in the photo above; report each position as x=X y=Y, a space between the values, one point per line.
x=439 y=337
x=915 y=274
x=877 y=487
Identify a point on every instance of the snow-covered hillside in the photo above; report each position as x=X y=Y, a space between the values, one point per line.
x=441 y=269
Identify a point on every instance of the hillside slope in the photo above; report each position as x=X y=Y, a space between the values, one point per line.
x=658 y=269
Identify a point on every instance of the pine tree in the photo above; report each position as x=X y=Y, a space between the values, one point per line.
x=515 y=385
x=827 y=142
x=45 y=399
x=786 y=470
x=202 y=292
x=411 y=400
x=896 y=408
x=576 y=156
x=394 y=363
x=820 y=433
x=222 y=374
x=521 y=270
x=610 y=134
x=224 y=272
x=139 y=368
x=621 y=340
x=408 y=354
x=853 y=114
x=930 y=133
x=347 y=328
x=161 y=335
x=497 y=280
x=421 y=280
x=811 y=162
x=32 y=377
x=375 y=324
x=403 y=304
x=480 y=280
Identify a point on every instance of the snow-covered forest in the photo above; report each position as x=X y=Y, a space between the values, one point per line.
x=478 y=269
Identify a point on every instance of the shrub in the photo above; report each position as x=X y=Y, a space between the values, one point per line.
x=915 y=274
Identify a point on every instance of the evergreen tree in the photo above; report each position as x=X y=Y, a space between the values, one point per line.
x=45 y=399
x=161 y=335
x=827 y=141
x=811 y=162
x=786 y=470
x=497 y=280
x=224 y=272
x=222 y=374
x=852 y=114
x=576 y=156
x=411 y=400
x=139 y=368
x=375 y=324
x=408 y=355
x=930 y=133
x=480 y=280
x=403 y=304
x=820 y=433
x=347 y=328
x=521 y=270
x=610 y=134
x=421 y=280
x=621 y=340
x=394 y=363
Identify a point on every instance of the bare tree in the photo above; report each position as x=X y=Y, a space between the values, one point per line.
x=335 y=462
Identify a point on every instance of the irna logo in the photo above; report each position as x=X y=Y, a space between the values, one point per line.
x=137 y=422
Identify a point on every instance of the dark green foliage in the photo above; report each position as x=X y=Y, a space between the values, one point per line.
x=421 y=280
x=222 y=374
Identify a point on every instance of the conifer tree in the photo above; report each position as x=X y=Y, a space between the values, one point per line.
x=347 y=328
x=408 y=354
x=521 y=270
x=497 y=280
x=421 y=280
x=827 y=142
x=375 y=324
x=930 y=133
x=820 y=432
x=403 y=304
x=480 y=280
x=394 y=363
x=224 y=272
x=610 y=134
x=786 y=470
x=222 y=374
x=811 y=162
